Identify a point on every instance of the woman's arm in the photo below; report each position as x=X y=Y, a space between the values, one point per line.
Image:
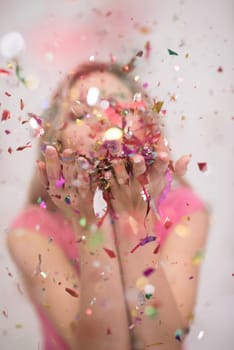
x=47 y=272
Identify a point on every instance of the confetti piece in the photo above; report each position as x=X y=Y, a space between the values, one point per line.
x=4 y=72
x=7 y=132
x=156 y=250
x=181 y=230
x=178 y=334
x=148 y=271
x=67 y=200
x=18 y=325
x=147 y=49
x=59 y=183
x=95 y=239
x=72 y=292
x=21 y=148
x=149 y=289
x=6 y=115
x=157 y=106
x=144 y=241
x=148 y=296
x=12 y=44
x=18 y=71
x=220 y=70
x=5 y=313
x=200 y=335
x=8 y=94
x=108 y=331
x=21 y=104
x=171 y=52
x=150 y=311
x=167 y=223
x=83 y=222
x=198 y=257
x=110 y=252
x=202 y=166
x=142 y=282
x=9 y=150
x=88 y=312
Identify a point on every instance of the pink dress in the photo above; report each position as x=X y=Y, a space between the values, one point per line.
x=178 y=203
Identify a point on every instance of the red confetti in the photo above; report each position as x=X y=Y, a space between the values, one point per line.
x=108 y=331
x=220 y=70
x=5 y=314
x=72 y=292
x=110 y=253
x=6 y=115
x=7 y=132
x=9 y=150
x=147 y=49
x=21 y=148
x=156 y=250
x=202 y=166
x=4 y=72
x=7 y=93
x=21 y=104
x=167 y=223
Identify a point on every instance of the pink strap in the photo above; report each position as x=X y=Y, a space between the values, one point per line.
x=53 y=226
x=180 y=202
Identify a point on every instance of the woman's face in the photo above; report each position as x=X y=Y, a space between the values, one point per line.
x=90 y=113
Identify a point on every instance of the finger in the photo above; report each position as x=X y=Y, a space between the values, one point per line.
x=139 y=166
x=82 y=178
x=68 y=166
x=42 y=173
x=53 y=167
x=120 y=173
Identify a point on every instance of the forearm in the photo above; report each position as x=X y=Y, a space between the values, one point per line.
x=102 y=320
x=155 y=318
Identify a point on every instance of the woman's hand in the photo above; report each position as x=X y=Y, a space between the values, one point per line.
x=66 y=179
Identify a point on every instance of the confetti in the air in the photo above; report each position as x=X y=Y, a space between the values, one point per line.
x=171 y=52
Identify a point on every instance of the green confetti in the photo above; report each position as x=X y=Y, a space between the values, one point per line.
x=171 y=52
x=39 y=200
x=83 y=222
x=151 y=311
x=148 y=296
x=95 y=240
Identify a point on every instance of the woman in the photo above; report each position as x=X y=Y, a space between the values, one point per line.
x=123 y=276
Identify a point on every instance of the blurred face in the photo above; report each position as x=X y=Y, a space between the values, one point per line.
x=100 y=110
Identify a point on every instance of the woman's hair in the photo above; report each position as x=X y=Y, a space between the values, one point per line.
x=53 y=116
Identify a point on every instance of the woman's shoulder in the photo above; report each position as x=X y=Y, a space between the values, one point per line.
x=45 y=226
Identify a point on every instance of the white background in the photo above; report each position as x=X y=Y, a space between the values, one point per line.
x=58 y=35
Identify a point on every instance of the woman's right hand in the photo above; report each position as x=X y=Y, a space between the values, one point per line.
x=66 y=179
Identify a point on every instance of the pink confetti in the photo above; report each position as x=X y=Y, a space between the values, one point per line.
x=59 y=183
x=7 y=93
x=4 y=72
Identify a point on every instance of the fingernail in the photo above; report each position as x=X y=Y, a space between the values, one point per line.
x=137 y=159
x=50 y=151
